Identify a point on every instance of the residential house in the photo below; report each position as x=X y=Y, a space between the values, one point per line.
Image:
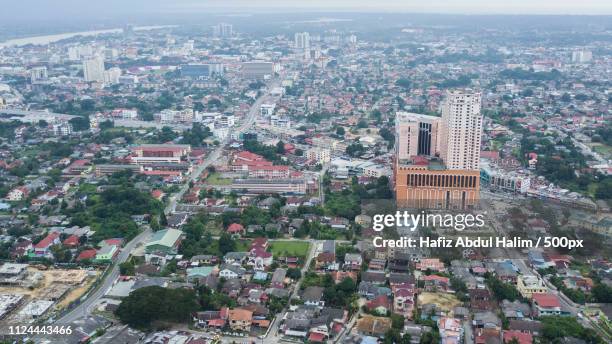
x=432 y=264
x=324 y=260
x=203 y=259
x=546 y=304
x=235 y=258
x=373 y=326
x=403 y=301
x=18 y=194
x=370 y=291
x=107 y=253
x=43 y=247
x=231 y=271
x=313 y=296
x=528 y=285
x=436 y=283
x=451 y=330
x=486 y=319
x=515 y=310
x=526 y=326
x=89 y=254
x=381 y=305
x=240 y=319
x=278 y=278
x=353 y=261
x=520 y=337
x=236 y=228
x=259 y=258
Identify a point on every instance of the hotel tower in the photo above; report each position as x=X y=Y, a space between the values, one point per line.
x=437 y=159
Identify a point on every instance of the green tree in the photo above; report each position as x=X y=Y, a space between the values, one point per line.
x=226 y=244
x=127 y=268
x=146 y=305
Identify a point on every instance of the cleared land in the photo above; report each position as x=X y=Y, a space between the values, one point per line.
x=446 y=302
x=290 y=248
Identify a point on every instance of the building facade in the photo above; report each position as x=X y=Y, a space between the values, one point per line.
x=93 y=69
x=461 y=130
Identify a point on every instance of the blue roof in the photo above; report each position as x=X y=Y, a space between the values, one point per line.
x=202 y=271
x=260 y=276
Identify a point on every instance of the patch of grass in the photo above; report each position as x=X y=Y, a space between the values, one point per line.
x=216 y=179
x=604 y=150
x=290 y=248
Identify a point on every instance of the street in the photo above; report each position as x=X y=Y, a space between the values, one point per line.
x=85 y=307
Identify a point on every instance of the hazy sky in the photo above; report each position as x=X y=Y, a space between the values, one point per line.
x=436 y=6
x=74 y=8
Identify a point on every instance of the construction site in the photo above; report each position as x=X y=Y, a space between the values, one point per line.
x=31 y=292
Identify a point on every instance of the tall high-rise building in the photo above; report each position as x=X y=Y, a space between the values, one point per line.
x=437 y=159
x=38 y=74
x=93 y=69
x=112 y=75
x=582 y=56
x=416 y=134
x=461 y=130
x=302 y=40
x=223 y=30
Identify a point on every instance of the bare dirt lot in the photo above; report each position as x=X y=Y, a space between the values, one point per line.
x=446 y=302
x=59 y=285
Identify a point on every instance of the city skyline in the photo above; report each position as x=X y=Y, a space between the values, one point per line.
x=333 y=172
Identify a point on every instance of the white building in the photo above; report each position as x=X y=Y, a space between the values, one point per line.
x=93 y=69
x=461 y=130
x=321 y=155
x=267 y=109
x=258 y=69
x=128 y=79
x=223 y=30
x=582 y=56
x=62 y=129
x=280 y=122
x=112 y=75
x=416 y=134
x=38 y=74
x=302 y=40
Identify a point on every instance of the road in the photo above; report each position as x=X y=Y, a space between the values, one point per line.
x=273 y=335
x=214 y=155
x=83 y=309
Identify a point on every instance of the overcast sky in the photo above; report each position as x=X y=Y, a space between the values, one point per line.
x=52 y=7
x=30 y=11
x=432 y=6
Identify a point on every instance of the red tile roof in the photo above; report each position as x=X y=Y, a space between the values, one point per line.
x=316 y=337
x=235 y=228
x=47 y=241
x=72 y=240
x=523 y=338
x=546 y=300
x=87 y=254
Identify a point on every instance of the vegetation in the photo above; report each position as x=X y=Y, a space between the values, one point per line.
x=502 y=290
x=109 y=212
x=557 y=327
x=147 y=305
x=268 y=152
x=289 y=248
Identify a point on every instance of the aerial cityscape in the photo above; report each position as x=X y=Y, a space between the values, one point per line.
x=316 y=173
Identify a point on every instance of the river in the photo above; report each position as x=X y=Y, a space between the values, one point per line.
x=43 y=40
